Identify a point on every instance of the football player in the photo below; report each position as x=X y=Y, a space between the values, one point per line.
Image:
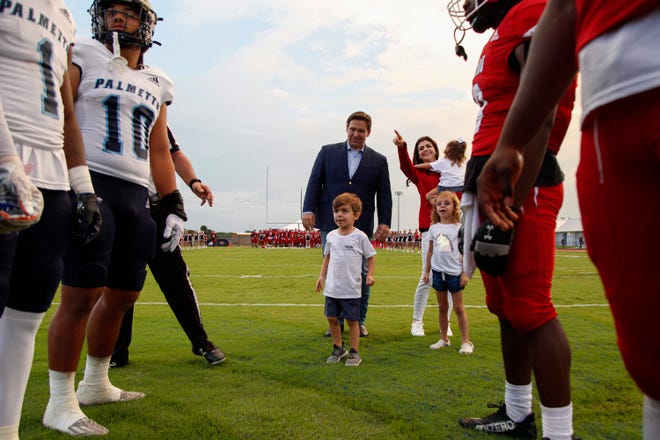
x=38 y=130
x=121 y=105
x=518 y=293
x=172 y=274
x=616 y=46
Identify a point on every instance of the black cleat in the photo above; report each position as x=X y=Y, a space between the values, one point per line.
x=211 y=353
x=119 y=360
x=500 y=423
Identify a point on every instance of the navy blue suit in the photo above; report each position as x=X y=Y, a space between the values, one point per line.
x=371 y=183
x=329 y=178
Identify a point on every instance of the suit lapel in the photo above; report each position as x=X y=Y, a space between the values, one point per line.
x=344 y=159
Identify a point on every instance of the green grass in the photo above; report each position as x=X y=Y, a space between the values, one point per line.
x=259 y=305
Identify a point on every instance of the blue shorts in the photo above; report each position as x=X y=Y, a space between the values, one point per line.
x=349 y=306
x=443 y=282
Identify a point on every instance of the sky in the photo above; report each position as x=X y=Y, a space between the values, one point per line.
x=261 y=85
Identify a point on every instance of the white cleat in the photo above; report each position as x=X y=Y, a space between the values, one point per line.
x=71 y=421
x=89 y=395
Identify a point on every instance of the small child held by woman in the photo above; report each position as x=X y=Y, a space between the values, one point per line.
x=451 y=168
x=445 y=262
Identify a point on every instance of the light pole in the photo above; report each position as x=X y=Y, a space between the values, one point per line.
x=398 y=209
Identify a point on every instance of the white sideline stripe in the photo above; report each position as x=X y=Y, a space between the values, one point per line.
x=375 y=306
x=392 y=277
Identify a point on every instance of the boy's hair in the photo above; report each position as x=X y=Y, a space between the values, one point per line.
x=348 y=199
x=360 y=116
x=455 y=152
x=435 y=218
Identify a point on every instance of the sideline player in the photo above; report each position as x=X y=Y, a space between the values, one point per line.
x=532 y=338
x=615 y=44
x=35 y=95
x=172 y=275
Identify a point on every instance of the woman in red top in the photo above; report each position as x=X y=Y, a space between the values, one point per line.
x=426 y=151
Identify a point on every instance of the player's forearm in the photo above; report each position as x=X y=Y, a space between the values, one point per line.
x=184 y=168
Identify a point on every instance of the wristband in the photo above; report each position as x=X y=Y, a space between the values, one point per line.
x=193 y=181
x=80 y=180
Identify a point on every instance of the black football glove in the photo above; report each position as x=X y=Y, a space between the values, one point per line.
x=174 y=227
x=87 y=220
x=491 y=248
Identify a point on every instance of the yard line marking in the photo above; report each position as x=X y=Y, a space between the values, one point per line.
x=376 y=306
x=392 y=277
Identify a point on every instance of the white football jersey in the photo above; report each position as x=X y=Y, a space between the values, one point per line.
x=35 y=36
x=116 y=111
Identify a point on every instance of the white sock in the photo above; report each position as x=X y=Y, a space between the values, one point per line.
x=518 y=401
x=17 y=332
x=651 y=418
x=96 y=370
x=557 y=422
x=63 y=388
x=9 y=432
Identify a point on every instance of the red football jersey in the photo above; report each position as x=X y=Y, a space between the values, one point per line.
x=595 y=17
x=495 y=82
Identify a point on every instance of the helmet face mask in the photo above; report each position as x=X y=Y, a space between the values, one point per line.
x=463 y=21
x=144 y=13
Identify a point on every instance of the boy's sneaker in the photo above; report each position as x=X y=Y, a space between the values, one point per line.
x=354 y=359
x=500 y=423
x=338 y=353
x=417 y=328
x=466 y=348
x=440 y=344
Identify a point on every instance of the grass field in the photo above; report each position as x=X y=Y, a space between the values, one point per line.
x=260 y=307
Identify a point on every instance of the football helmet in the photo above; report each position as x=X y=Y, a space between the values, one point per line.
x=143 y=37
x=476 y=14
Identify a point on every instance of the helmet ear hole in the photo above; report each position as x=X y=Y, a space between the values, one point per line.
x=147 y=18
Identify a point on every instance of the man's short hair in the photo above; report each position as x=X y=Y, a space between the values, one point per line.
x=360 y=116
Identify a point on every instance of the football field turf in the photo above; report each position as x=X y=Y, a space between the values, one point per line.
x=260 y=307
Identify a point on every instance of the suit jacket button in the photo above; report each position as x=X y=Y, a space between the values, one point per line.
x=350 y=182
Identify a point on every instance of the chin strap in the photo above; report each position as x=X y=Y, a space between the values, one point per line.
x=460 y=50
x=118 y=63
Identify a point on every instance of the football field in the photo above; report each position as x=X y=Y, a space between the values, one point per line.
x=260 y=307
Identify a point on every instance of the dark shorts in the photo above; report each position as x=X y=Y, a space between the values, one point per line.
x=443 y=282
x=31 y=261
x=350 y=308
x=119 y=255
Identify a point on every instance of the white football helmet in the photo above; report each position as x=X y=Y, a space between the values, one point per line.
x=143 y=37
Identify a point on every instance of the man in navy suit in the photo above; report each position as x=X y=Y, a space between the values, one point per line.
x=353 y=167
